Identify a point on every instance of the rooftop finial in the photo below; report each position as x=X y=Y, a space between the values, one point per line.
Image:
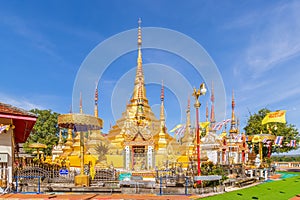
x=96 y=101
x=139 y=33
x=80 y=104
x=162 y=94
x=233 y=122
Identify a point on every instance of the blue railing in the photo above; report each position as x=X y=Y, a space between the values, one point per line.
x=39 y=183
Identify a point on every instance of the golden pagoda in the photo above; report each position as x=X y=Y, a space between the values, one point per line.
x=139 y=140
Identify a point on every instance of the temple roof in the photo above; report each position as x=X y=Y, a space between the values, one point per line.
x=20 y=118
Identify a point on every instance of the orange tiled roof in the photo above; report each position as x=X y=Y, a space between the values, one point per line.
x=12 y=110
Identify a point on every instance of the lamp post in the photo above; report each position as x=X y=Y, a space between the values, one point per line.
x=196 y=94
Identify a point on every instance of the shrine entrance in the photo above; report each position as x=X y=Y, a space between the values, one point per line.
x=139 y=158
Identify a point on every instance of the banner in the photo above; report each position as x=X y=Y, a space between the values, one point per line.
x=278 y=116
x=293 y=143
x=278 y=140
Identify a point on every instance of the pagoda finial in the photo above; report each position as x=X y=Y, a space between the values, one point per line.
x=80 y=104
x=60 y=141
x=233 y=122
x=162 y=93
x=139 y=59
x=139 y=78
x=162 y=107
x=207 y=112
x=96 y=101
x=162 y=142
x=188 y=113
x=189 y=103
x=212 y=99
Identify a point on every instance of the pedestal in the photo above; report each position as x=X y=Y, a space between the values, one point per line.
x=82 y=180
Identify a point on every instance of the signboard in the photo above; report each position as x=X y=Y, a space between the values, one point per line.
x=3 y=157
x=63 y=172
x=208 y=178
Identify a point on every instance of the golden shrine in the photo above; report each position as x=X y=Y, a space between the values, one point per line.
x=138 y=141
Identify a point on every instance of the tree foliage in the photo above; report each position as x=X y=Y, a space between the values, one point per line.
x=45 y=130
x=254 y=126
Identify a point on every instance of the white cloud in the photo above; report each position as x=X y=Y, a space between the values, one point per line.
x=19 y=102
x=275 y=40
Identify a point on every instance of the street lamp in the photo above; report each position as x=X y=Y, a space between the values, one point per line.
x=196 y=94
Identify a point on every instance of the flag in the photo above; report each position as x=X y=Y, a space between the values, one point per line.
x=217 y=126
x=176 y=127
x=180 y=131
x=264 y=140
x=278 y=140
x=278 y=116
x=4 y=128
x=237 y=137
x=293 y=143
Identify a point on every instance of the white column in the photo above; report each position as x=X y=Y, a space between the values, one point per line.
x=127 y=157
x=251 y=173
x=266 y=174
x=149 y=156
x=261 y=173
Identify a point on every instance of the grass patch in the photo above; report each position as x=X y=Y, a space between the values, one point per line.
x=269 y=190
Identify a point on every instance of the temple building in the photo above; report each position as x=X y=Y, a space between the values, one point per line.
x=15 y=127
x=139 y=141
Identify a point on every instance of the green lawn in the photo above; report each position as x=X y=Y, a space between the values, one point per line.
x=282 y=189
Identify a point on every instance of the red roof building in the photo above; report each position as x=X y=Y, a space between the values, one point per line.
x=20 y=118
x=15 y=127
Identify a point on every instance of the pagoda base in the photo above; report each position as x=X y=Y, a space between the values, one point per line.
x=82 y=180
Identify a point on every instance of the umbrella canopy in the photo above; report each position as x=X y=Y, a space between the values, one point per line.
x=37 y=145
x=79 y=122
x=260 y=137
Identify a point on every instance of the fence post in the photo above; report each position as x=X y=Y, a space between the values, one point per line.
x=160 y=185
x=39 y=185
x=186 y=185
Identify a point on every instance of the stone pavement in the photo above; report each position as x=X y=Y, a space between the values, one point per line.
x=97 y=196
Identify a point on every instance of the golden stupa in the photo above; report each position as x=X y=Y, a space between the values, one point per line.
x=137 y=142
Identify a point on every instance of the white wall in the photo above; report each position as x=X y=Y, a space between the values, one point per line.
x=6 y=147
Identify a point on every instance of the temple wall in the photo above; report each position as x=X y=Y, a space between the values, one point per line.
x=116 y=160
x=212 y=156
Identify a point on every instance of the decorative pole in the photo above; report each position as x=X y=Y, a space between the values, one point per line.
x=196 y=94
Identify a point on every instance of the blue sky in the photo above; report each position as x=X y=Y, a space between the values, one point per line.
x=254 y=44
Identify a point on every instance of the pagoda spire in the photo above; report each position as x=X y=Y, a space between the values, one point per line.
x=140 y=104
x=139 y=83
x=60 y=141
x=212 y=99
x=96 y=101
x=162 y=107
x=233 y=122
x=206 y=112
x=162 y=142
x=80 y=104
x=188 y=114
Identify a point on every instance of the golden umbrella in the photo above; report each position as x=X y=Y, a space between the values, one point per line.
x=37 y=146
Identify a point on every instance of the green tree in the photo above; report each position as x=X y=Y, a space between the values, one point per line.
x=289 y=131
x=45 y=130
